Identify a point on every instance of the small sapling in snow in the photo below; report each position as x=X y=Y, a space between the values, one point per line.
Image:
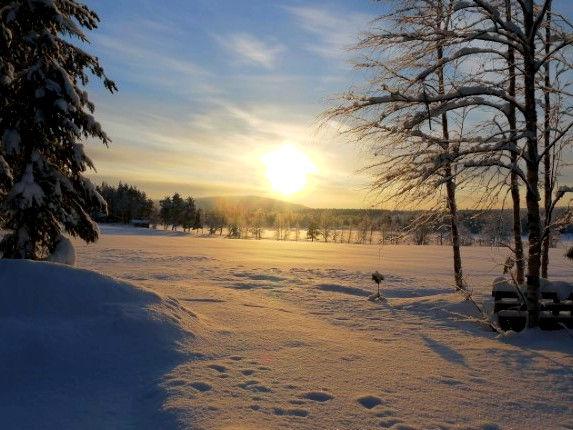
x=378 y=278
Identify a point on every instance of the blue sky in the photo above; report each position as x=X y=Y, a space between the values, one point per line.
x=207 y=87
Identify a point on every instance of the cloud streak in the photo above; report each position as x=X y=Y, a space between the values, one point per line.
x=204 y=93
x=249 y=49
x=336 y=32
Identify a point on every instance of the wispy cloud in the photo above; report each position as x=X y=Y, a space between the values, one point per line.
x=146 y=55
x=143 y=53
x=165 y=148
x=251 y=50
x=185 y=121
x=335 y=31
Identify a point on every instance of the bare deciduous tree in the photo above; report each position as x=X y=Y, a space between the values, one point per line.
x=421 y=85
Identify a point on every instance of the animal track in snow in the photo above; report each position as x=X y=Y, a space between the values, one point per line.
x=256 y=276
x=386 y=413
x=201 y=386
x=295 y=412
x=318 y=396
x=369 y=401
x=389 y=422
x=218 y=368
x=254 y=386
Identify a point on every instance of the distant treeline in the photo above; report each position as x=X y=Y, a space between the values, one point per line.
x=126 y=203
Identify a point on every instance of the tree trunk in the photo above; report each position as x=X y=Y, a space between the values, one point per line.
x=452 y=206
x=371 y=233
x=547 y=177
x=450 y=182
x=532 y=163
x=514 y=179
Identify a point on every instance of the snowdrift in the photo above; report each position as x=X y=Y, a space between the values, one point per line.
x=82 y=350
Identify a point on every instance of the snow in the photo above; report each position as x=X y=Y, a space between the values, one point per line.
x=69 y=87
x=5 y=168
x=64 y=253
x=221 y=334
x=11 y=141
x=288 y=339
x=82 y=350
x=28 y=190
x=121 y=230
x=61 y=104
x=564 y=189
x=563 y=289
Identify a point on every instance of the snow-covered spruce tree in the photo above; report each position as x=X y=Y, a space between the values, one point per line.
x=45 y=114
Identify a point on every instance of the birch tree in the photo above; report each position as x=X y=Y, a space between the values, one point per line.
x=401 y=101
x=523 y=36
x=416 y=150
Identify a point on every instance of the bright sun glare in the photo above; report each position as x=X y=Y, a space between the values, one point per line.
x=287 y=169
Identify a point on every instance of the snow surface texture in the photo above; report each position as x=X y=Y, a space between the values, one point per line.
x=84 y=351
x=289 y=340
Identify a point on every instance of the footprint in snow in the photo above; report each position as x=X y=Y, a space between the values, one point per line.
x=447 y=380
x=291 y=387
x=254 y=386
x=296 y=412
x=369 y=402
x=201 y=386
x=389 y=422
x=218 y=368
x=318 y=396
x=386 y=413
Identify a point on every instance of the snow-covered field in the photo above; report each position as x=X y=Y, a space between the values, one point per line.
x=281 y=335
x=81 y=350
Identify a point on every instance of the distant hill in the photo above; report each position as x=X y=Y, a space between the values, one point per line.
x=247 y=203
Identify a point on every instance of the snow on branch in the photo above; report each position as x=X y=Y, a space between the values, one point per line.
x=457 y=93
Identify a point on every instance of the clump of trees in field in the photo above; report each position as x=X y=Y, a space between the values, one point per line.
x=176 y=211
x=125 y=203
x=469 y=93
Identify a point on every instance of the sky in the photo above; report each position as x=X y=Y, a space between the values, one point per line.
x=209 y=88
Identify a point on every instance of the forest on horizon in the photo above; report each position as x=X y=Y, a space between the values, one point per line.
x=247 y=217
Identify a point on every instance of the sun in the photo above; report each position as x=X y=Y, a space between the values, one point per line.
x=287 y=168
